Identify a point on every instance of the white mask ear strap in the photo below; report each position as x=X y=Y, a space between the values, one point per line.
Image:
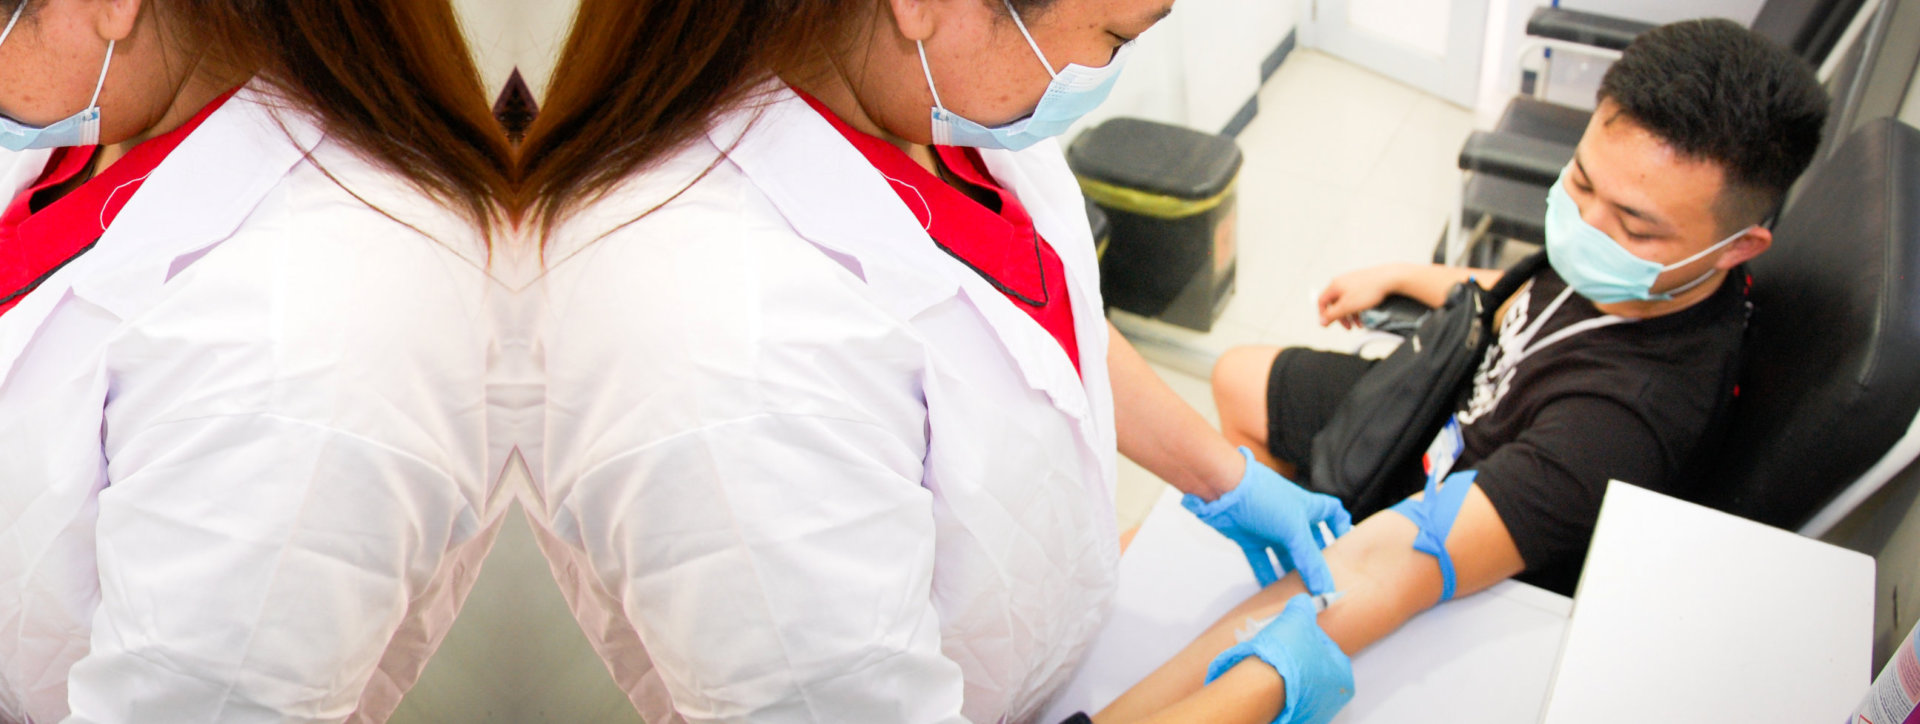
x=15 y=19
x=98 y=84
x=1706 y=251
x=929 y=71
x=1689 y=285
x=1689 y=260
x=1029 y=36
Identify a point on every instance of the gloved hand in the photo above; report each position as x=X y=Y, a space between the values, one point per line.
x=1268 y=511
x=1318 y=675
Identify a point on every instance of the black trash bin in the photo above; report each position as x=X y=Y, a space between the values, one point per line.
x=1169 y=194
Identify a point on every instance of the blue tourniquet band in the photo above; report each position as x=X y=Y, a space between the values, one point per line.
x=1434 y=514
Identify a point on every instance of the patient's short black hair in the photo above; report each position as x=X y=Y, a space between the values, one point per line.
x=1718 y=92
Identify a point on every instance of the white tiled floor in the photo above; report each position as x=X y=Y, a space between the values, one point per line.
x=1344 y=169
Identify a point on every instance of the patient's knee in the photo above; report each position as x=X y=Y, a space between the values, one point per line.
x=1242 y=371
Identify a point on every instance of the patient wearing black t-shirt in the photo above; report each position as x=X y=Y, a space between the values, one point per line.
x=1613 y=361
x=1547 y=422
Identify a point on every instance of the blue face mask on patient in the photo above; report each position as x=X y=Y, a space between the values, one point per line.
x=1074 y=92
x=1599 y=268
x=79 y=129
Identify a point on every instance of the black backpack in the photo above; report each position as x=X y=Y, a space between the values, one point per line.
x=1368 y=455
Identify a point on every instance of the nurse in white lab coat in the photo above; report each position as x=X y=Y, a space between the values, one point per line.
x=243 y=449
x=801 y=463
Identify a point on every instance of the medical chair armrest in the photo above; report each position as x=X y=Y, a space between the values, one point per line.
x=1513 y=156
x=1592 y=29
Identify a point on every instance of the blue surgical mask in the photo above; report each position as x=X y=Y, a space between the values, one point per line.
x=1597 y=267
x=79 y=129
x=1074 y=92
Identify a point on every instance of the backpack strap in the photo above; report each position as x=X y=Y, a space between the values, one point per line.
x=1510 y=282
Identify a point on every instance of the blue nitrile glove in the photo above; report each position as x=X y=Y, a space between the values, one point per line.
x=1318 y=675
x=1268 y=511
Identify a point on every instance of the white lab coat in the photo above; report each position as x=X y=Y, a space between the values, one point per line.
x=242 y=441
x=800 y=464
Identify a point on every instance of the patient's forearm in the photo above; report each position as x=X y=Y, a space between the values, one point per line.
x=1430 y=283
x=1383 y=581
x=1366 y=611
x=1249 y=693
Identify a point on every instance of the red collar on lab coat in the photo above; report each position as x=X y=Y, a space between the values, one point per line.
x=37 y=239
x=1003 y=246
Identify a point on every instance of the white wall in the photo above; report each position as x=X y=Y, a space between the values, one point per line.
x=1200 y=65
x=1420 y=26
x=1574 y=81
x=505 y=35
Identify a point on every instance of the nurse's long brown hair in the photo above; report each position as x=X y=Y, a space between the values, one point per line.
x=393 y=79
x=638 y=79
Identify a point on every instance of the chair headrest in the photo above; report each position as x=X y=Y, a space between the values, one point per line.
x=1808 y=27
x=1832 y=369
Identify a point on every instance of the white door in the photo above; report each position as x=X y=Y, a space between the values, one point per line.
x=1432 y=45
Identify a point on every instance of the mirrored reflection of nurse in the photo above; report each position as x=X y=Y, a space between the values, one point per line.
x=832 y=407
x=241 y=380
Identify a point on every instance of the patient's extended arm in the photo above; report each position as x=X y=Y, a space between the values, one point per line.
x=1384 y=582
x=1350 y=293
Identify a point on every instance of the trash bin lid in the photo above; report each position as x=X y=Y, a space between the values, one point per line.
x=1156 y=157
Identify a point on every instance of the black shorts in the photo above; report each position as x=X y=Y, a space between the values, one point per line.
x=1304 y=389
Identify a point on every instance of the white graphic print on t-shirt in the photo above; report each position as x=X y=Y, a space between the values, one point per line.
x=1516 y=343
x=1495 y=376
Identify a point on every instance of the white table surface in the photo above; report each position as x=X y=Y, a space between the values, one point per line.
x=1686 y=614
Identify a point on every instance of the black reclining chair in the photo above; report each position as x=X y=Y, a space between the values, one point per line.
x=1511 y=167
x=1828 y=399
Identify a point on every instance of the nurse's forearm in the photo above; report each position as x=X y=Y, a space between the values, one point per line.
x=1164 y=434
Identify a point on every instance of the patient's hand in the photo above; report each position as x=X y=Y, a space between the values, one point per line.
x=1354 y=292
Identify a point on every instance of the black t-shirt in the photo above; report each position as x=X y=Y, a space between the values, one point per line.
x=1637 y=401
